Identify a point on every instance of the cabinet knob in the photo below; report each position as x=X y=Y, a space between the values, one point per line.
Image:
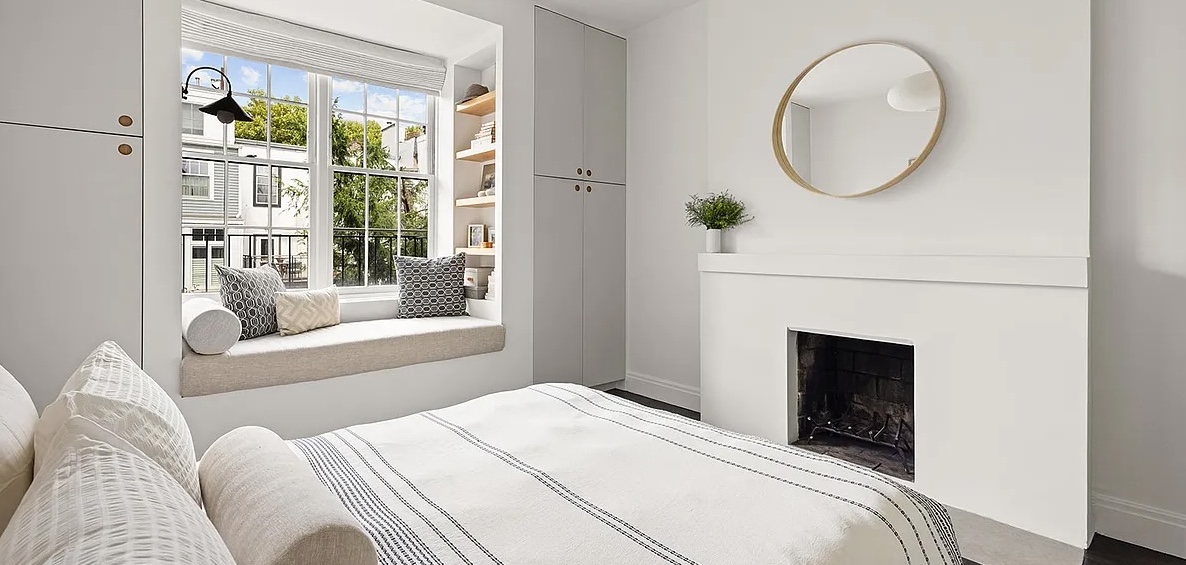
x=589 y=172
x=125 y=120
x=577 y=188
x=124 y=149
x=588 y=189
x=580 y=171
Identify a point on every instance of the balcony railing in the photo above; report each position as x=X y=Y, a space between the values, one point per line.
x=288 y=253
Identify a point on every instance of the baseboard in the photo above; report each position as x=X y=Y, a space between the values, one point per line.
x=1140 y=524
x=671 y=392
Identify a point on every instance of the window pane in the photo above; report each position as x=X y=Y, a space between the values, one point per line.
x=346 y=139
x=383 y=139
x=348 y=95
x=289 y=251
x=413 y=148
x=382 y=102
x=414 y=218
x=384 y=232
x=413 y=106
x=290 y=132
x=193 y=121
x=290 y=84
x=192 y=59
x=257 y=128
x=203 y=251
x=248 y=76
x=196 y=178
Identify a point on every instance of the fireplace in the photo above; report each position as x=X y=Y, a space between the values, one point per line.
x=856 y=400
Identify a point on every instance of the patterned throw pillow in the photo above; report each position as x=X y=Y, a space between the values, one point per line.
x=251 y=295
x=299 y=312
x=431 y=288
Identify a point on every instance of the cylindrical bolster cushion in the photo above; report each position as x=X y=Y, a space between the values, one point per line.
x=271 y=509
x=209 y=329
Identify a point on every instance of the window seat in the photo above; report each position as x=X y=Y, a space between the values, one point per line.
x=347 y=349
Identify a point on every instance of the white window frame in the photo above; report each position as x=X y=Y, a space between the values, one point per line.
x=321 y=174
x=190 y=111
x=208 y=175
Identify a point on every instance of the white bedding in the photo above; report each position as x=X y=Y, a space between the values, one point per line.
x=561 y=474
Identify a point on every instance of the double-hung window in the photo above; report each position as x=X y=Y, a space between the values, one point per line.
x=321 y=150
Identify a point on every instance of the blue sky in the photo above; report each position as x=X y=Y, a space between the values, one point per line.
x=247 y=75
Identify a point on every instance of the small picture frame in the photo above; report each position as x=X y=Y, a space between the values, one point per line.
x=490 y=236
x=488 y=176
x=477 y=235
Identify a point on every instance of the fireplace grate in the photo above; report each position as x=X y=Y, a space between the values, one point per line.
x=873 y=431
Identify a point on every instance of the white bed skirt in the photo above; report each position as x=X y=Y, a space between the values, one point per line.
x=562 y=474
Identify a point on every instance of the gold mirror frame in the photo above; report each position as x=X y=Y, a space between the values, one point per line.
x=780 y=151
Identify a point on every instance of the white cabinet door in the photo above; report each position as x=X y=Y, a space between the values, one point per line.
x=559 y=99
x=605 y=283
x=70 y=251
x=559 y=339
x=605 y=107
x=73 y=64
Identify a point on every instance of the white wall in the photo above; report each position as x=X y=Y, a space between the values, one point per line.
x=1014 y=151
x=668 y=150
x=1139 y=272
x=312 y=408
x=867 y=131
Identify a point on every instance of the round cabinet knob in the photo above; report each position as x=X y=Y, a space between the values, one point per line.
x=589 y=172
x=125 y=149
x=577 y=188
x=588 y=189
x=580 y=171
x=125 y=120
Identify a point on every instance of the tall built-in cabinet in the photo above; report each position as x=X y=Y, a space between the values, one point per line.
x=580 y=203
x=71 y=196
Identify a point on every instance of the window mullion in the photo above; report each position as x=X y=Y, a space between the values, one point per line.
x=321 y=182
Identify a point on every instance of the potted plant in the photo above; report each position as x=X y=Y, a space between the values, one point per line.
x=716 y=212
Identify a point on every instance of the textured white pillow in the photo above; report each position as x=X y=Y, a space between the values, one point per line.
x=208 y=327
x=299 y=312
x=18 y=417
x=97 y=500
x=110 y=390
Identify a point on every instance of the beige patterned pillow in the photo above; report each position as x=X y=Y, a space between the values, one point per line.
x=110 y=390
x=99 y=500
x=299 y=312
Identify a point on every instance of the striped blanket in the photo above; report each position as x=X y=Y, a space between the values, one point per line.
x=561 y=474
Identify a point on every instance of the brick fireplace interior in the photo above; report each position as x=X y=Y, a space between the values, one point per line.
x=856 y=400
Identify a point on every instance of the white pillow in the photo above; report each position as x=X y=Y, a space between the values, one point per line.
x=208 y=327
x=97 y=500
x=18 y=417
x=110 y=390
x=299 y=312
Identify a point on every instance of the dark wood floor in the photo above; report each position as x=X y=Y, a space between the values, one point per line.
x=1104 y=551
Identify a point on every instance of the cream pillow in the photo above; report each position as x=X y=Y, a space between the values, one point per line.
x=110 y=390
x=299 y=312
x=208 y=327
x=18 y=417
x=97 y=499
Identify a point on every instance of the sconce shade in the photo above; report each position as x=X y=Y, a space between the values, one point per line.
x=227 y=110
x=916 y=93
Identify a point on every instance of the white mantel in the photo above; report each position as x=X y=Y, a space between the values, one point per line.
x=1001 y=397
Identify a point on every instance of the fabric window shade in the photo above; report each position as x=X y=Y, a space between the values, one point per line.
x=244 y=34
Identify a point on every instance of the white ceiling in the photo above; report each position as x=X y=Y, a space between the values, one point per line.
x=414 y=25
x=615 y=16
x=867 y=70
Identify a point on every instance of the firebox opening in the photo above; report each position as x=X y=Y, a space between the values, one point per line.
x=856 y=401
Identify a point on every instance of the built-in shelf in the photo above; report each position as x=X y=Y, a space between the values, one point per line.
x=478 y=251
x=481 y=106
x=478 y=155
x=477 y=202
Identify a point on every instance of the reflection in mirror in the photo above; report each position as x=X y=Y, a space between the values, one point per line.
x=859 y=120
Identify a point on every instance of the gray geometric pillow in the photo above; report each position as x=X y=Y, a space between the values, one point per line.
x=250 y=294
x=431 y=288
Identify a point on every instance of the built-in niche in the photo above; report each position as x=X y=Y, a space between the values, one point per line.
x=855 y=400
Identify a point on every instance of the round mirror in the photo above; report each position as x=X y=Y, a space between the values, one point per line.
x=859 y=119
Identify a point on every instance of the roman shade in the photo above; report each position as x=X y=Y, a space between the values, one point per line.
x=244 y=34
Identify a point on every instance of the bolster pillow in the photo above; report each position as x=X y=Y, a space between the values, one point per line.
x=271 y=509
x=208 y=327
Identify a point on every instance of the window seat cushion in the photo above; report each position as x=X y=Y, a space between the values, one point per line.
x=347 y=349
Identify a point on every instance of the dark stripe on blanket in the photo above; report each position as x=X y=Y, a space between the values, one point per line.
x=634 y=534
x=416 y=490
x=861 y=505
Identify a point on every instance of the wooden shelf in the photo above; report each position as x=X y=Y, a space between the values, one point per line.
x=477 y=202
x=483 y=105
x=477 y=251
x=479 y=155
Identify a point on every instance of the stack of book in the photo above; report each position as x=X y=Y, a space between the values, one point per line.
x=485 y=136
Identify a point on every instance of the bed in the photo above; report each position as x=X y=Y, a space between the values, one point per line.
x=562 y=474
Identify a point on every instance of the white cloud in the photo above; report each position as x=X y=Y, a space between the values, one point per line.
x=414 y=107
x=342 y=86
x=191 y=55
x=384 y=104
x=250 y=76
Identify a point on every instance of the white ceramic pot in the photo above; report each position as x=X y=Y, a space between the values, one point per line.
x=712 y=241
